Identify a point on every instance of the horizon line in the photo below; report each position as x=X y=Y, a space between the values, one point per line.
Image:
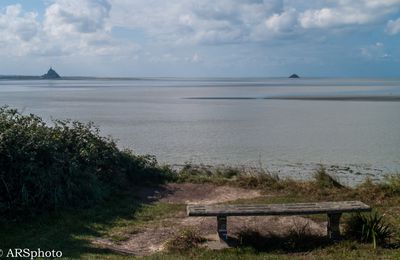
x=22 y=77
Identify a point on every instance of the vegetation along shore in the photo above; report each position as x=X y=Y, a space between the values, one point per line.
x=65 y=187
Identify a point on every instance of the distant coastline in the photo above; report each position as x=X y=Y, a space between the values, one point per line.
x=302 y=81
x=24 y=77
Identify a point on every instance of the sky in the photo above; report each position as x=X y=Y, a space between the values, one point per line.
x=201 y=38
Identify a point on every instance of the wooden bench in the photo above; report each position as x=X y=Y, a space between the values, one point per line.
x=334 y=211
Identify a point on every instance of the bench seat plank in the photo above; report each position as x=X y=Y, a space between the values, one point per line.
x=277 y=209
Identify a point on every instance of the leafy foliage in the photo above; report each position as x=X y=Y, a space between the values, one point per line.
x=66 y=164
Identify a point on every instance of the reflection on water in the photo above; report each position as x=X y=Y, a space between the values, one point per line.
x=155 y=116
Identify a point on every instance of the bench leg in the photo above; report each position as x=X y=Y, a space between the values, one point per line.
x=222 y=228
x=333 y=226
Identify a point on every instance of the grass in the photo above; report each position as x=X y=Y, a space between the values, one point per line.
x=324 y=186
x=72 y=230
x=324 y=180
x=298 y=240
x=384 y=196
x=50 y=202
x=64 y=185
x=187 y=240
x=252 y=178
x=125 y=214
x=343 y=250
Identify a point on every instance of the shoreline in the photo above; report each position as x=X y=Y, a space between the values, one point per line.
x=350 y=175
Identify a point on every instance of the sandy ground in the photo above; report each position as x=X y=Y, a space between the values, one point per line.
x=152 y=239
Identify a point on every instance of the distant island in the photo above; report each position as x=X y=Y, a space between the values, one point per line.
x=294 y=76
x=51 y=74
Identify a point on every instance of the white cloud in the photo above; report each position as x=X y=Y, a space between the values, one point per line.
x=18 y=29
x=86 y=27
x=330 y=17
x=79 y=26
x=208 y=22
x=225 y=21
x=18 y=25
x=72 y=16
x=283 y=22
x=346 y=12
x=393 y=27
x=73 y=27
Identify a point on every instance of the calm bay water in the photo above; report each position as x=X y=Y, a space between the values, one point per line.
x=286 y=125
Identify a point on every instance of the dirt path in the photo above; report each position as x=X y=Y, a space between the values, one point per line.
x=151 y=240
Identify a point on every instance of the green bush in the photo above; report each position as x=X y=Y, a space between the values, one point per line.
x=368 y=228
x=66 y=164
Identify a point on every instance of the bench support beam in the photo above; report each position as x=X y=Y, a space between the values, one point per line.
x=222 y=227
x=333 y=226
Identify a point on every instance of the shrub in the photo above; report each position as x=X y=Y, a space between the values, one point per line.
x=185 y=241
x=299 y=239
x=195 y=173
x=368 y=228
x=66 y=164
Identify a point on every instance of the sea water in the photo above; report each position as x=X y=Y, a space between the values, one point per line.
x=288 y=126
